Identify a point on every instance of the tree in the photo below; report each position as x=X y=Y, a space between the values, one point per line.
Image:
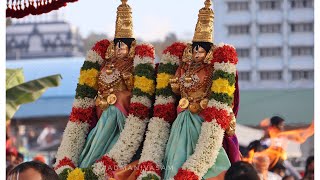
x=19 y=92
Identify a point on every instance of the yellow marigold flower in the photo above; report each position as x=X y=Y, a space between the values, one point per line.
x=76 y=174
x=89 y=77
x=144 y=84
x=222 y=86
x=163 y=80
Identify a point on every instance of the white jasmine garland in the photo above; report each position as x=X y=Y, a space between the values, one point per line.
x=92 y=56
x=99 y=169
x=72 y=142
x=146 y=173
x=207 y=149
x=227 y=67
x=163 y=100
x=144 y=60
x=129 y=141
x=169 y=58
x=83 y=103
x=219 y=105
x=155 y=143
x=141 y=99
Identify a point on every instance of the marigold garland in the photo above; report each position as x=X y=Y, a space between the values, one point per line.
x=88 y=77
x=76 y=174
x=163 y=80
x=185 y=174
x=220 y=115
x=176 y=49
x=144 y=84
x=82 y=114
x=165 y=111
x=222 y=86
x=225 y=53
x=139 y=110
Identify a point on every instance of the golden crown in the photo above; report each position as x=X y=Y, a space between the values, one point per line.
x=204 y=28
x=124 y=26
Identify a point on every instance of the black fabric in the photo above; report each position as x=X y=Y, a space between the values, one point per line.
x=127 y=41
x=205 y=45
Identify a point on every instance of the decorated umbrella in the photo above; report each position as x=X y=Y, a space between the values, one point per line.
x=22 y=8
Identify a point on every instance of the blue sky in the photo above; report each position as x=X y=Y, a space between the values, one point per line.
x=152 y=19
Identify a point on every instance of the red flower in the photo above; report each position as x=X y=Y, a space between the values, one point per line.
x=101 y=47
x=65 y=161
x=220 y=115
x=176 y=49
x=225 y=53
x=144 y=51
x=139 y=110
x=185 y=175
x=110 y=164
x=165 y=111
x=82 y=115
x=148 y=166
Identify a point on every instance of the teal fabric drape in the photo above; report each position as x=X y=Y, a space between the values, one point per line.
x=103 y=136
x=183 y=138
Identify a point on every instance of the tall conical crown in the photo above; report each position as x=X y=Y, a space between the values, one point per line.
x=124 y=26
x=204 y=28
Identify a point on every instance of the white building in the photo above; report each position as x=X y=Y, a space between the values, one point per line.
x=43 y=36
x=274 y=41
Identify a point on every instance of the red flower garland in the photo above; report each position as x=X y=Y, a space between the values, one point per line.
x=165 y=111
x=144 y=51
x=176 y=49
x=225 y=54
x=63 y=162
x=220 y=115
x=139 y=110
x=101 y=47
x=148 y=166
x=110 y=164
x=82 y=115
x=185 y=175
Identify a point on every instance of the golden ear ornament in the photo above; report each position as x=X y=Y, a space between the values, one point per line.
x=187 y=54
x=110 y=51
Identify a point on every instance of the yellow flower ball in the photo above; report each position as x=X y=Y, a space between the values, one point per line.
x=76 y=174
x=222 y=86
x=89 y=77
x=163 y=80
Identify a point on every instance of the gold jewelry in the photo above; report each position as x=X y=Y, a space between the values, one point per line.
x=110 y=51
x=187 y=54
x=124 y=25
x=204 y=103
x=183 y=103
x=112 y=99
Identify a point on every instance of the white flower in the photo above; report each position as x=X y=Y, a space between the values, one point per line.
x=227 y=67
x=129 y=141
x=163 y=100
x=92 y=56
x=141 y=99
x=155 y=143
x=144 y=60
x=73 y=140
x=83 y=103
x=219 y=105
x=169 y=58
x=207 y=149
x=60 y=169
x=99 y=169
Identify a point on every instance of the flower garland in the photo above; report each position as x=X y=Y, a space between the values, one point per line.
x=164 y=113
x=217 y=115
x=83 y=114
x=139 y=111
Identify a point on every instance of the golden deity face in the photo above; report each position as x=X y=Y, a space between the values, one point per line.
x=198 y=54
x=121 y=50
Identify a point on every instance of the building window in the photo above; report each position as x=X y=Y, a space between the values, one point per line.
x=238 y=29
x=270 y=75
x=270 y=28
x=301 y=27
x=301 y=51
x=301 y=3
x=302 y=75
x=243 y=52
x=270 y=52
x=270 y=5
x=244 y=76
x=238 y=6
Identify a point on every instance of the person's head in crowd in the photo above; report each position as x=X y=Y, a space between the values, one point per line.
x=32 y=170
x=261 y=163
x=277 y=122
x=289 y=177
x=309 y=170
x=241 y=170
x=39 y=158
x=20 y=158
x=279 y=169
x=11 y=155
x=9 y=168
x=256 y=146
